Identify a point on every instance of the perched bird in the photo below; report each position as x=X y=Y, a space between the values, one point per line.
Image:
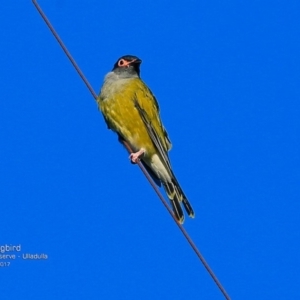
x=131 y=110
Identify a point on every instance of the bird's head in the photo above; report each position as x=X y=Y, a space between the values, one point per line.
x=127 y=65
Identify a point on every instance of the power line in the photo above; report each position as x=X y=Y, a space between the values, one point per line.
x=188 y=238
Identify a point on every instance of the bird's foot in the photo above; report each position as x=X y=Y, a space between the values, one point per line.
x=134 y=157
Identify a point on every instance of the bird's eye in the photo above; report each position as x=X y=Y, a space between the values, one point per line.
x=121 y=62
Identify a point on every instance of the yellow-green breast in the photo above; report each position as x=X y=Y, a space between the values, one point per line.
x=116 y=101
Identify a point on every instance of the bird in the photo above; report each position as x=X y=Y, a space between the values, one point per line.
x=131 y=110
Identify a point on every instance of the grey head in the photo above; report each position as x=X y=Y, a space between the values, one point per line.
x=127 y=66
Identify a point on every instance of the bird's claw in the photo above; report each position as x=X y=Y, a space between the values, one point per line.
x=134 y=157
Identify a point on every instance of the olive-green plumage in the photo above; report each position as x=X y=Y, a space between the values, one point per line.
x=131 y=110
x=122 y=116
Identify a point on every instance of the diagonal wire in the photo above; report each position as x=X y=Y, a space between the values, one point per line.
x=190 y=241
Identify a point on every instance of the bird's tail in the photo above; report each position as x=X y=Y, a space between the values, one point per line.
x=176 y=196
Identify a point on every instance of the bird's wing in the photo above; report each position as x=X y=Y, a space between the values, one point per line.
x=148 y=108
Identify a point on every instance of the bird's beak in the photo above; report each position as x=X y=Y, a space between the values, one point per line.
x=136 y=61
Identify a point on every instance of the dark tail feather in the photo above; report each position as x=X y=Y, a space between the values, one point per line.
x=182 y=197
x=184 y=200
x=175 y=201
x=175 y=194
x=188 y=207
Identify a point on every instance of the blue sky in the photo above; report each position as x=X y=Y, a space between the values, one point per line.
x=226 y=75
